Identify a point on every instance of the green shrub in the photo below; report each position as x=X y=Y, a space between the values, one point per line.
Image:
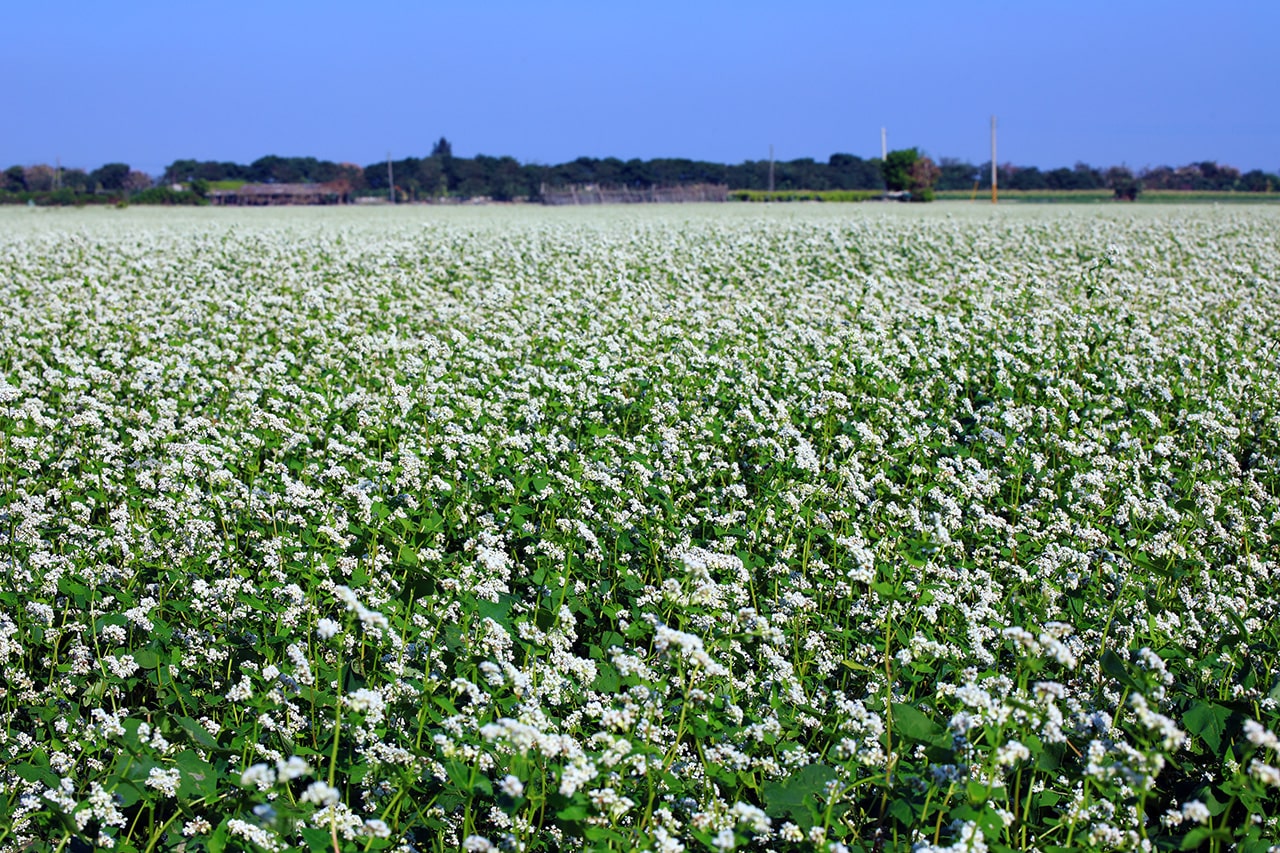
x=166 y=195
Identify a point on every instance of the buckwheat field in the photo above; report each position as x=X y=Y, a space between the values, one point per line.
x=849 y=528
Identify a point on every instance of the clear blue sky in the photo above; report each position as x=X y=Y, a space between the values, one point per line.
x=1141 y=83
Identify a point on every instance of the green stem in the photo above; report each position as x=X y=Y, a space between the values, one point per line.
x=337 y=731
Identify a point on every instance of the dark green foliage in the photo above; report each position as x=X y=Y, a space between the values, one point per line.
x=110 y=177
x=15 y=180
x=55 y=198
x=896 y=169
x=956 y=175
x=168 y=196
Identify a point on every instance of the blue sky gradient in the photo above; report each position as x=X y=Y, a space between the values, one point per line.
x=1135 y=83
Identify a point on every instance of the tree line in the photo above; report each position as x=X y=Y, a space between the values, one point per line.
x=1205 y=176
x=442 y=175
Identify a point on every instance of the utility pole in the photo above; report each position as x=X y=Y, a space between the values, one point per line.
x=771 y=170
x=391 y=181
x=884 y=149
x=993 y=160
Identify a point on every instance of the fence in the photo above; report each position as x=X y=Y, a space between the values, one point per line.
x=593 y=194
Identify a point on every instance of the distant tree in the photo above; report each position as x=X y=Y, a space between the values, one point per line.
x=110 y=177
x=801 y=174
x=1216 y=177
x=469 y=179
x=136 y=182
x=179 y=171
x=636 y=173
x=76 y=180
x=1082 y=177
x=39 y=178
x=583 y=170
x=849 y=172
x=182 y=171
x=15 y=179
x=897 y=168
x=752 y=175
x=200 y=187
x=609 y=171
x=274 y=170
x=1258 y=181
x=353 y=175
x=1029 y=178
x=1087 y=177
x=1121 y=181
x=1118 y=176
x=921 y=177
x=442 y=149
x=956 y=174
x=504 y=177
x=375 y=176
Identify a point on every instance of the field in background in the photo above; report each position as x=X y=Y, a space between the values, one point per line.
x=696 y=527
x=1094 y=196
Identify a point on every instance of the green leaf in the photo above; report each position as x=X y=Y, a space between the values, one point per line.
x=198 y=776
x=218 y=840
x=909 y=722
x=602 y=833
x=1208 y=721
x=724 y=776
x=574 y=811
x=317 y=840
x=1115 y=667
x=885 y=591
x=988 y=820
x=1198 y=836
x=1046 y=799
x=38 y=772
x=797 y=794
x=608 y=680
x=499 y=611
x=128 y=791
x=1254 y=845
x=902 y=812
x=1211 y=801
x=198 y=732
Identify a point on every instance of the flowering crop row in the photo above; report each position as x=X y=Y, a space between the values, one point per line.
x=856 y=530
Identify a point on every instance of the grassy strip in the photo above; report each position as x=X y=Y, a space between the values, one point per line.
x=804 y=195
